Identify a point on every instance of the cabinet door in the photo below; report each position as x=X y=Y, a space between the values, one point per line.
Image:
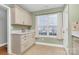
x=75 y=46
x=28 y=19
x=21 y=16
x=15 y=43
x=18 y=15
x=12 y=15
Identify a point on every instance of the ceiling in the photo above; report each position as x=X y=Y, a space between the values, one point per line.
x=38 y=7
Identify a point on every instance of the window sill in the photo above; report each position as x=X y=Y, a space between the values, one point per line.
x=55 y=37
x=46 y=36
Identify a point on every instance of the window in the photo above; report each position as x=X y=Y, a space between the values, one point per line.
x=46 y=25
x=42 y=25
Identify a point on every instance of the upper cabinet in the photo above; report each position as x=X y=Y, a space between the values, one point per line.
x=20 y=16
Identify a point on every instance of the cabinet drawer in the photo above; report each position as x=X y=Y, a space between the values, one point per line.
x=24 y=47
x=76 y=47
x=76 y=51
x=23 y=38
x=24 y=41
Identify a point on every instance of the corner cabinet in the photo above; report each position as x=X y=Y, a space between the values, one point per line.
x=20 y=16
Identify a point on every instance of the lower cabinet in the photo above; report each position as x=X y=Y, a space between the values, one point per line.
x=75 y=46
x=21 y=42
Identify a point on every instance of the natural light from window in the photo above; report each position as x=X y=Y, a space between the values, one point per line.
x=47 y=25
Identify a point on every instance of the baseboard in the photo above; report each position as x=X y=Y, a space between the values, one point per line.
x=11 y=53
x=3 y=44
x=48 y=44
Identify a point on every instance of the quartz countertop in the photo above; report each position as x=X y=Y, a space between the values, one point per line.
x=75 y=33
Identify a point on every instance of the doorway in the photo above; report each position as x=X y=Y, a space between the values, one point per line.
x=5 y=28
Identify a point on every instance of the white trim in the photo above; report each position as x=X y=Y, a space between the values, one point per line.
x=58 y=29
x=3 y=44
x=9 y=30
x=12 y=53
x=49 y=44
x=46 y=36
x=36 y=27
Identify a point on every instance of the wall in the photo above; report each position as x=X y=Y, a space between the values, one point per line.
x=67 y=30
x=42 y=12
x=73 y=12
x=48 y=11
x=74 y=16
x=3 y=25
x=65 y=27
x=19 y=27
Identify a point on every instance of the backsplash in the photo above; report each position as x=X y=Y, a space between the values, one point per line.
x=19 y=28
x=75 y=26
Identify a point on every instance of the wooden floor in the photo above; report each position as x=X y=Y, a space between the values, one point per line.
x=3 y=51
x=38 y=50
x=44 y=50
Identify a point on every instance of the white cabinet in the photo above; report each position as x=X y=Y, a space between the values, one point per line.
x=75 y=45
x=20 y=16
x=27 y=18
x=21 y=42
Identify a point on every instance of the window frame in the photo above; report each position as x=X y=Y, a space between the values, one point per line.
x=36 y=27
